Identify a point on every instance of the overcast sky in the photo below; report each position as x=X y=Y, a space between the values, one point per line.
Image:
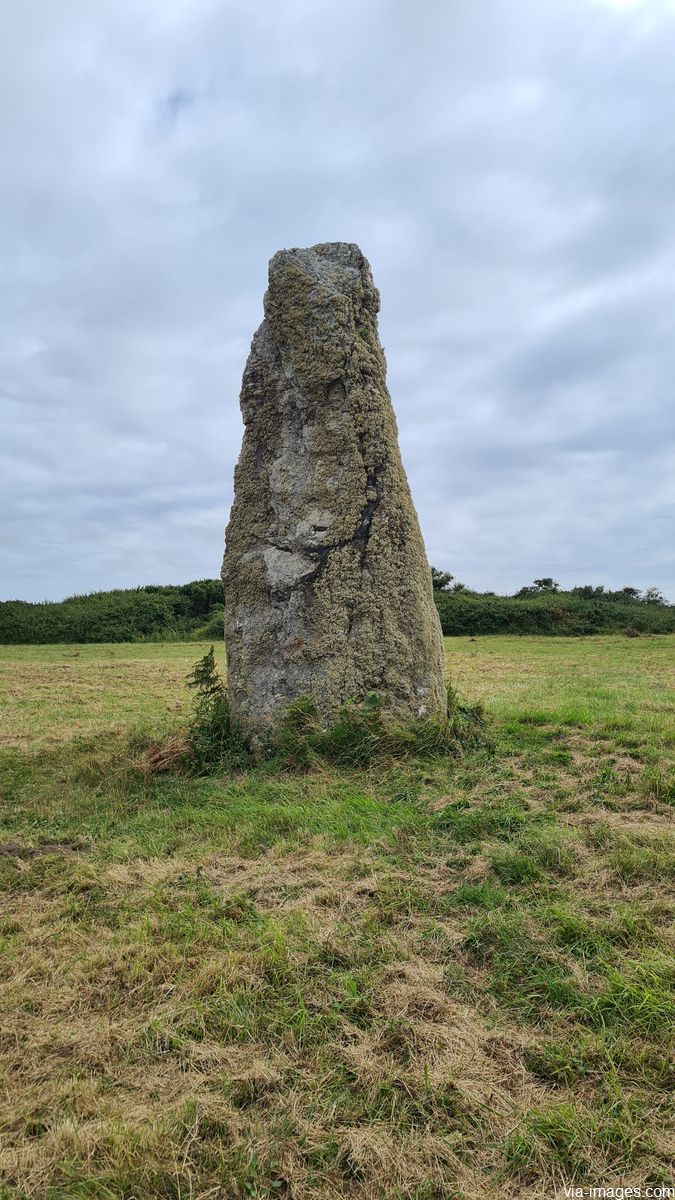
x=508 y=167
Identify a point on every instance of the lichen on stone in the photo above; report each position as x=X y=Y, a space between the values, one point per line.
x=327 y=587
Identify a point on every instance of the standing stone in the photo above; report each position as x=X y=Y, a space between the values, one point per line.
x=327 y=587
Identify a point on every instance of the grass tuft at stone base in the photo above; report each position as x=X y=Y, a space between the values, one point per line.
x=363 y=734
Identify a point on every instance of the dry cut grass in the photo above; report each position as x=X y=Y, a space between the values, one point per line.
x=432 y=979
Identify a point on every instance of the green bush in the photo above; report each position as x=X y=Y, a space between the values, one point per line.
x=469 y=614
x=148 y=613
x=214 y=626
x=196 y=611
x=212 y=740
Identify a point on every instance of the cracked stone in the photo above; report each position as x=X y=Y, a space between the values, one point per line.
x=327 y=587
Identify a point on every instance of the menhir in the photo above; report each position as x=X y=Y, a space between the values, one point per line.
x=327 y=588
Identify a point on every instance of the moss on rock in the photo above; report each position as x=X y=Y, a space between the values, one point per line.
x=327 y=587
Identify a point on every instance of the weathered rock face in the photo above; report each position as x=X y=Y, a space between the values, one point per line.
x=327 y=588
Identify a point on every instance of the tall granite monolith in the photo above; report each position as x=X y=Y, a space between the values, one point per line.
x=327 y=588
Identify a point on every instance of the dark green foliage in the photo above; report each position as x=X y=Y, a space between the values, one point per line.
x=214 y=626
x=211 y=740
x=139 y=614
x=469 y=614
x=547 y=585
x=440 y=579
x=653 y=596
x=205 y=681
x=195 y=611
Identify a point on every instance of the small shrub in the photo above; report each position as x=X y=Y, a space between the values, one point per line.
x=361 y=735
x=211 y=739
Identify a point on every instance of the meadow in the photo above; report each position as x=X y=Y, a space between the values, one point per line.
x=429 y=979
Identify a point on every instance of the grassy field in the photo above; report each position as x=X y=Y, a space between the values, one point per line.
x=434 y=979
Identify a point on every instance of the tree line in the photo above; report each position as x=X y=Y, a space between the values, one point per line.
x=443 y=581
x=195 y=612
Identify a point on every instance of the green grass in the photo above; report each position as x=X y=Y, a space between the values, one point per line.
x=428 y=977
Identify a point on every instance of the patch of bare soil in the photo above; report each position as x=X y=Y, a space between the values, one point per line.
x=16 y=850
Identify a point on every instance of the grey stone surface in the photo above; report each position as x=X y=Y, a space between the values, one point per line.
x=327 y=587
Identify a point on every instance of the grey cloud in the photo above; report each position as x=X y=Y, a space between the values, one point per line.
x=508 y=169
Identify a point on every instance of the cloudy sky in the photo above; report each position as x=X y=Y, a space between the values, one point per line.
x=507 y=167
